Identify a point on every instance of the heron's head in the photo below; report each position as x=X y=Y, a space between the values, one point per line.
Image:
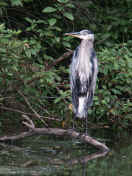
x=84 y=34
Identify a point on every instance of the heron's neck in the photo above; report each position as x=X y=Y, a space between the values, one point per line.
x=86 y=44
x=86 y=48
x=84 y=57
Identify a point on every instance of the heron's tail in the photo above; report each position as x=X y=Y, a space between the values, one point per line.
x=83 y=104
x=81 y=111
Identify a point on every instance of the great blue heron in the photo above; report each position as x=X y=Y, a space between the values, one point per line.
x=83 y=73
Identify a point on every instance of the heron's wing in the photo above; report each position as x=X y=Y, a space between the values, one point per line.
x=74 y=79
x=94 y=72
x=92 y=80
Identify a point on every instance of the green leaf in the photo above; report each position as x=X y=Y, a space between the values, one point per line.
x=57 y=39
x=2 y=4
x=63 y=1
x=16 y=3
x=28 y=20
x=70 y=5
x=67 y=44
x=2 y=27
x=28 y=0
x=57 y=100
x=48 y=10
x=69 y=16
x=52 y=21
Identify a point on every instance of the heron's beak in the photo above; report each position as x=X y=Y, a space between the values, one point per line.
x=73 y=34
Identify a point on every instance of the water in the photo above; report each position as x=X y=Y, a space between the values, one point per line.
x=51 y=156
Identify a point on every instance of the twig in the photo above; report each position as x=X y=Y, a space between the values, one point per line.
x=61 y=58
x=30 y=124
x=64 y=56
x=28 y=163
x=29 y=105
x=26 y=113
x=14 y=110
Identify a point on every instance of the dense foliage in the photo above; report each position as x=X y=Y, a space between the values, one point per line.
x=113 y=102
x=31 y=40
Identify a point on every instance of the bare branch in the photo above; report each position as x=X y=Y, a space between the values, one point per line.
x=61 y=58
x=33 y=110
x=30 y=124
x=26 y=113
x=58 y=132
x=14 y=110
x=17 y=137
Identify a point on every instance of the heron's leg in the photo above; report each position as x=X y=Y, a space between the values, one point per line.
x=86 y=120
x=73 y=122
x=84 y=172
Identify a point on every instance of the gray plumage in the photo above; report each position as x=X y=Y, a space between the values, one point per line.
x=83 y=73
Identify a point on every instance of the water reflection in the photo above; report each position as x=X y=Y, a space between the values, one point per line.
x=51 y=155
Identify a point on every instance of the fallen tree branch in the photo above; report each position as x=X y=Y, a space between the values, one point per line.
x=55 y=131
x=16 y=137
x=61 y=132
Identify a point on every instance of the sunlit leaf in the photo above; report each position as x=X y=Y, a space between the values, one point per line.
x=63 y=1
x=48 y=10
x=16 y=3
x=67 y=44
x=69 y=16
x=52 y=21
x=70 y=5
x=2 y=26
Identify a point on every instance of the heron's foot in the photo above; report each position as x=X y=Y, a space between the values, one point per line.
x=71 y=130
x=73 y=125
x=74 y=122
x=86 y=132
